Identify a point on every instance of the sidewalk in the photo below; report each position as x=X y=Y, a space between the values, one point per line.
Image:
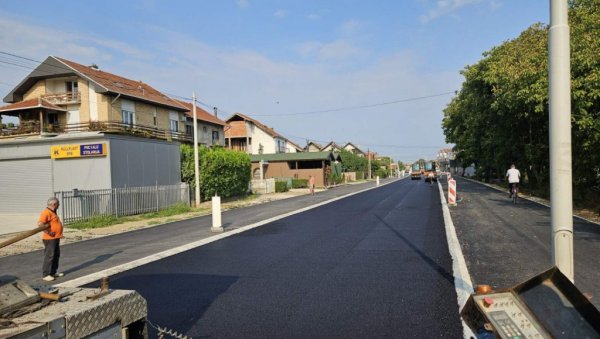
x=504 y=244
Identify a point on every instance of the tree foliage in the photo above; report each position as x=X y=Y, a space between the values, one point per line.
x=500 y=115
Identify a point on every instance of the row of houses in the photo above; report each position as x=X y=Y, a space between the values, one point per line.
x=70 y=115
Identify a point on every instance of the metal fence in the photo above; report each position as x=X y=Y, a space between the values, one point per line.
x=84 y=204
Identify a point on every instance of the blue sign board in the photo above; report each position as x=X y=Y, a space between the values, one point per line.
x=91 y=150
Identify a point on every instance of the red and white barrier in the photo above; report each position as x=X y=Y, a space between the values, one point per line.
x=452 y=192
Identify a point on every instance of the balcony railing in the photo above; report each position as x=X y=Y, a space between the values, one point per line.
x=115 y=127
x=63 y=98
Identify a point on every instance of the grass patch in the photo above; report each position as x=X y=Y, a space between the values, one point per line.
x=109 y=220
x=97 y=222
x=153 y=222
x=167 y=212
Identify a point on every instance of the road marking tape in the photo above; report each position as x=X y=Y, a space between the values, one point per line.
x=164 y=254
x=462 y=279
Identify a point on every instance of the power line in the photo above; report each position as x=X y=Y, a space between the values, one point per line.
x=357 y=107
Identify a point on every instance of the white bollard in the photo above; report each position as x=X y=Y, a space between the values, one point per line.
x=216 y=215
x=377 y=180
x=452 y=192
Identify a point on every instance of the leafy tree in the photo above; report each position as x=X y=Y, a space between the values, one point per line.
x=500 y=115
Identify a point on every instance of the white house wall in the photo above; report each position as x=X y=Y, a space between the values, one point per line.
x=261 y=137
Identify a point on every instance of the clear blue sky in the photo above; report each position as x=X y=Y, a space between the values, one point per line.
x=272 y=59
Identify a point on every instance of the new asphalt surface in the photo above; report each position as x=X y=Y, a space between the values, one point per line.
x=375 y=264
x=86 y=257
x=504 y=244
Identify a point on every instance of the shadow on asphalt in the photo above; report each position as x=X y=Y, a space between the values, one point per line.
x=88 y=263
x=180 y=308
x=439 y=269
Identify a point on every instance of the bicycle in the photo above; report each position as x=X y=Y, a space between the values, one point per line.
x=514 y=192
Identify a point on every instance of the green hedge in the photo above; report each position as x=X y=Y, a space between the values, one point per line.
x=299 y=183
x=222 y=172
x=281 y=186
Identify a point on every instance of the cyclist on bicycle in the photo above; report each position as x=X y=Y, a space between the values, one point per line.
x=513 y=175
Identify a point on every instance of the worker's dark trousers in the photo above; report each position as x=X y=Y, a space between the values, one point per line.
x=51 y=255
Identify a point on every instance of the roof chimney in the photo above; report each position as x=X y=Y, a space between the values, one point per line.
x=94 y=66
x=215 y=110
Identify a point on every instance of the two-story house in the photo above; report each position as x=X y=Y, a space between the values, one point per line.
x=82 y=129
x=62 y=96
x=246 y=134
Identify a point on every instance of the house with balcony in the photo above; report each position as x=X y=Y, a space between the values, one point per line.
x=62 y=96
x=81 y=129
x=253 y=137
x=210 y=129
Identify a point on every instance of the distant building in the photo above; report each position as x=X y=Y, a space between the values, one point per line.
x=251 y=136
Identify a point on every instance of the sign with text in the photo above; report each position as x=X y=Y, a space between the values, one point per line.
x=78 y=151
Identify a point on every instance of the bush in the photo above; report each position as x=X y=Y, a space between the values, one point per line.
x=222 y=172
x=299 y=183
x=281 y=186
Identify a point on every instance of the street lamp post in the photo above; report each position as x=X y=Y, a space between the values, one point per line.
x=561 y=195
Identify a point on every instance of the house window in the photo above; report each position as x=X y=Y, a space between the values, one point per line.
x=280 y=146
x=154 y=121
x=215 y=137
x=128 y=117
x=204 y=129
x=189 y=130
x=174 y=125
x=71 y=87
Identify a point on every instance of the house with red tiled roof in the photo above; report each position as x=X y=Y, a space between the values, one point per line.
x=62 y=96
x=246 y=134
x=211 y=129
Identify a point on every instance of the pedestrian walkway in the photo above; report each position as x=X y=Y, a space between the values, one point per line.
x=504 y=244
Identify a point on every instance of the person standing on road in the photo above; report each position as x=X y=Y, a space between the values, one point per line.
x=51 y=239
x=311 y=184
x=513 y=175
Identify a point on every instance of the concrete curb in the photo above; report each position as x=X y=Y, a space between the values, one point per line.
x=154 y=257
x=528 y=199
x=462 y=278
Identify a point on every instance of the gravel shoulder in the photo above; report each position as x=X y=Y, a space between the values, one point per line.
x=71 y=235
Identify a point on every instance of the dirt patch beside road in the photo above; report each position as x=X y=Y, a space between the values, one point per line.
x=71 y=235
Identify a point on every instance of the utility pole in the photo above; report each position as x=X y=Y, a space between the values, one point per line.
x=369 y=154
x=196 y=161
x=561 y=195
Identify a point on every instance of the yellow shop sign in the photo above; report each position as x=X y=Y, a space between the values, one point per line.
x=78 y=151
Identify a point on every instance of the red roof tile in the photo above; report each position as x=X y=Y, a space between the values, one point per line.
x=117 y=84
x=201 y=114
x=29 y=104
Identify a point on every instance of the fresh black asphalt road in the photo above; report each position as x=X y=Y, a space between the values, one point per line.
x=375 y=264
x=86 y=257
x=505 y=245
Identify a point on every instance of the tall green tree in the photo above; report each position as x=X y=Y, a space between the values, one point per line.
x=500 y=115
